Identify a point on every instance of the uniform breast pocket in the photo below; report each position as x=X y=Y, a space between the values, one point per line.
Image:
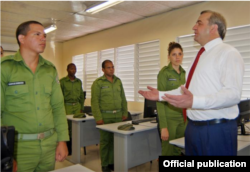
x=47 y=91
x=77 y=91
x=119 y=90
x=106 y=91
x=17 y=98
x=172 y=84
x=46 y=94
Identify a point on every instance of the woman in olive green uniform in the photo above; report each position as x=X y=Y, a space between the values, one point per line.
x=172 y=124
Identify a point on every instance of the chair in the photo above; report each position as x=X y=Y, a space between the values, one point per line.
x=129 y=118
x=87 y=109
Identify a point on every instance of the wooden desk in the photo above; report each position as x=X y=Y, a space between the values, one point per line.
x=132 y=148
x=84 y=133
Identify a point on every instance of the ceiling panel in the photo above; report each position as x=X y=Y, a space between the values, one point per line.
x=71 y=19
x=24 y=9
x=19 y=18
x=76 y=27
x=91 y=21
x=66 y=6
x=8 y=32
x=143 y=8
x=10 y=26
x=176 y=4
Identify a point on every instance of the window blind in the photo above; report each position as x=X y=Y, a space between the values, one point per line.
x=148 y=66
x=125 y=69
x=91 y=71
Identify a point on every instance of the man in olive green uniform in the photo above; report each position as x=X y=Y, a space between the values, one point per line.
x=73 y=96
x=169 y=116
x=109 y=105
x=32 y=102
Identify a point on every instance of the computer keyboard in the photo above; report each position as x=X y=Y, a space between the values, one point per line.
x=138 y=121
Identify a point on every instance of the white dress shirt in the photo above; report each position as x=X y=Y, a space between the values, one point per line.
x=216 y=83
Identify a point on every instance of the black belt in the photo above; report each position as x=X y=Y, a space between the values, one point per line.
x=209 y=122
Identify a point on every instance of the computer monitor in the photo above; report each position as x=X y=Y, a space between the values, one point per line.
x=84 y=94
x=244 y=115
x=150 y=109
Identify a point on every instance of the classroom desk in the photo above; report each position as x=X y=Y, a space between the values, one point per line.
x=132 y=148
x=84 y=133
x=243 y=143
x=73 y=168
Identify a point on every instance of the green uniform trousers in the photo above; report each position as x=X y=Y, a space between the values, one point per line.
x=72 y=109
x=36 y=155
x=176 y=129
x=107 y=139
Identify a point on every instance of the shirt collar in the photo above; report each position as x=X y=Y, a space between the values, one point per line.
x=170 y=67
x=18 y=57
x=212 y=43
x=104 y=77
x=67 y=78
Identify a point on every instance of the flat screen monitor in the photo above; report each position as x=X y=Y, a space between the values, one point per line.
x=84 y=93
x=244 y=115
x=150 y=109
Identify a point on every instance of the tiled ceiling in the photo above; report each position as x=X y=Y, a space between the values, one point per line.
x=71 y=19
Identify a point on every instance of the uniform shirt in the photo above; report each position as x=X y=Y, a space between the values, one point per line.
x=107 y=96
x=72 y=91
x=32 y=102
x=216 y=83
x=169 y=79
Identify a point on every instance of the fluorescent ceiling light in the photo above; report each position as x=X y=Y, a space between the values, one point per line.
x=103 y=6
x=50 y=29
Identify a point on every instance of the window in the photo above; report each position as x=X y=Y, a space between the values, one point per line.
x=91 y=71
x=136 y=65
x=148 y=66
x=79 y=62
x=125 y=69
x=238 y=37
